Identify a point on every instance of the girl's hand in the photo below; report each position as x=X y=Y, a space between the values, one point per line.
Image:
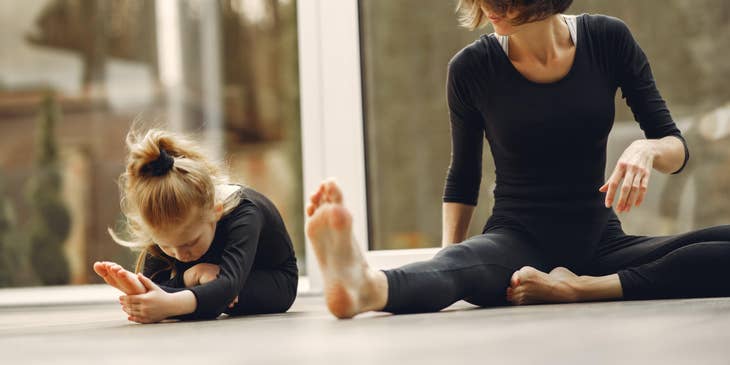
x=633 y=168
x=153 y=306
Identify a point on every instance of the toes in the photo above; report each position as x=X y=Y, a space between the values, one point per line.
x=335 y=193
x=515 y=279
x=118 y=271
x=316 y=196
x=319 y=194
x=100 y=269
x=332 y=192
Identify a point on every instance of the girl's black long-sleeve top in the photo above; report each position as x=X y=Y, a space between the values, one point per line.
x=252 y=236
x=548 y=140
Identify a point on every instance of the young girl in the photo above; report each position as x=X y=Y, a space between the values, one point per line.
x=208 y=247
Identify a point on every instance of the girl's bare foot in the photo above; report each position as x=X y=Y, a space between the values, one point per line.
x=116 y=276
x=531 y=286
x=351 y=287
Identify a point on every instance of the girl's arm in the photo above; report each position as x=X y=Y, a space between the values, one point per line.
x=242 y=231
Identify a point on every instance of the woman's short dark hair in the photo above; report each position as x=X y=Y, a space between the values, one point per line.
x=472 y=16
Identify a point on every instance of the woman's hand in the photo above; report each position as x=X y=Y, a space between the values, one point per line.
x=201 y=274
x=153 y=306
x=631 y=176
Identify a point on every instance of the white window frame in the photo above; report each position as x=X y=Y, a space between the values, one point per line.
x=332 y=120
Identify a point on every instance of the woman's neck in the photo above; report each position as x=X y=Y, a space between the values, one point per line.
x=541 y=41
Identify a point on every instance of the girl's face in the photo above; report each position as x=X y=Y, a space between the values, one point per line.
x=192 y=238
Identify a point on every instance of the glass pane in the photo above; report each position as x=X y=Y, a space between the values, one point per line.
x=688 y=57
x=73 y=77
x=406 y=46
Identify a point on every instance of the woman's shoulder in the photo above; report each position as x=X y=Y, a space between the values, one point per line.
x=601 y=25
x=472 y=57
x=474 y=61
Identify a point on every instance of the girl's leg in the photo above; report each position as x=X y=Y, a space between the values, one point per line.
x=477 y=270
x=267 y=291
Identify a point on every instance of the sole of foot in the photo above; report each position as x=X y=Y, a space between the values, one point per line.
x=349 y=282
x=116 y=276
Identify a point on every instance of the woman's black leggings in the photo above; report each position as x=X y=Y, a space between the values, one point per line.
x=478 y=270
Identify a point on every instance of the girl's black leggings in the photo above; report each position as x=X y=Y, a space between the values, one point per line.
x=478 y=270
x=268 y=291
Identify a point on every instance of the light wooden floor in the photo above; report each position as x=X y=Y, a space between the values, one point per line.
x=693 y=331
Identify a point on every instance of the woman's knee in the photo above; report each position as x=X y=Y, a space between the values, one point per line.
x=714 y=233
x=472 y=249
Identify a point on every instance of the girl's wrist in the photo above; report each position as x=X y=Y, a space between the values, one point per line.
x=182 y=302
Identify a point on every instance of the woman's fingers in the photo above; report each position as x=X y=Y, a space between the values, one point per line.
x=613 y=183
x=645 y=187
x=632 y=194
x=625 y=190
x=637 y=190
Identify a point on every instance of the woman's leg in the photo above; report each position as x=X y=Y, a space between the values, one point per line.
x=267 y=291
x=477 y=270
x=692 y=264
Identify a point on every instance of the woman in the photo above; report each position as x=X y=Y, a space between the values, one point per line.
x=541 y=89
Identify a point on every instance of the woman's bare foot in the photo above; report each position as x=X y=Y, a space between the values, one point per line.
x=351 y=287
x=116 y=276
x=531 y=286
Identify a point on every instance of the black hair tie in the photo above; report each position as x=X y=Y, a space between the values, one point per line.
x=160 y=166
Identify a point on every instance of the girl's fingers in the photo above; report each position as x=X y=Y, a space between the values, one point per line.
x=146 y=282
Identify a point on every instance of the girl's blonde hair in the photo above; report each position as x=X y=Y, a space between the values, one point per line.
x=166 y=177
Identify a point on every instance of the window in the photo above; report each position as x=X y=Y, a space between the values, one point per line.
x=226 y=71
